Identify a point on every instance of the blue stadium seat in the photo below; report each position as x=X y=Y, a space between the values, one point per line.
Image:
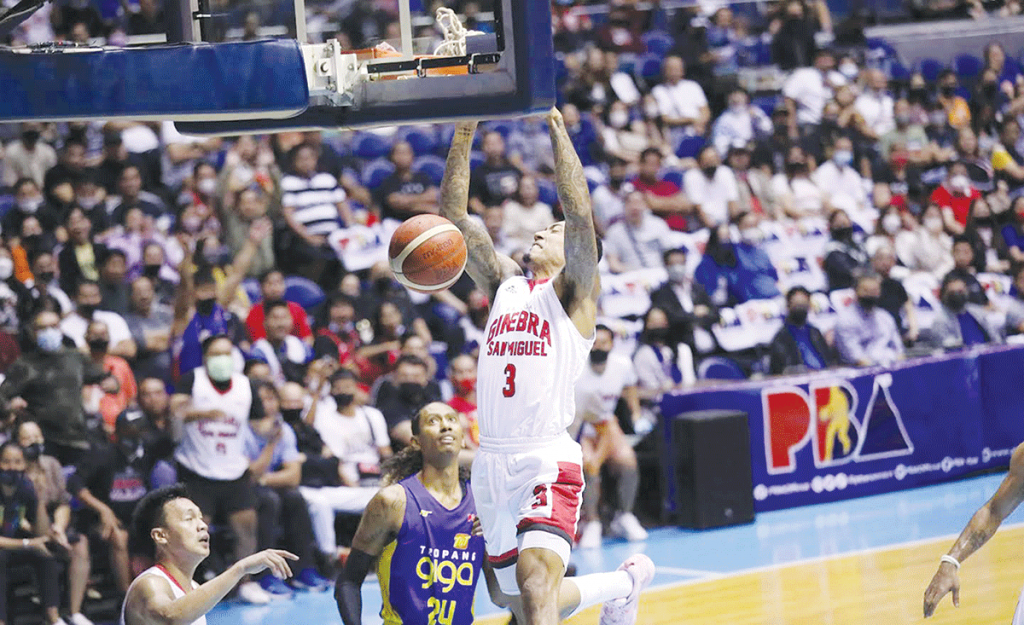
x=504 y=127
x=561 y=71
x=422 y=140
x=766 y=103
x=430 y=165
x=303 y=292
x=475 y=158
x=898 y=72
x=690 y=147
x=627 y=64
x=674 y=176
x=374 y=173
x=658 y=42
x=369 y=146
x=968 y=67
x=719 y=368
x=649 y=67
x=252 y=289
x=930 y=69
x=547 y=192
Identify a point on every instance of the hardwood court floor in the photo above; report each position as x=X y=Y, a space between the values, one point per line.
x=860 y=562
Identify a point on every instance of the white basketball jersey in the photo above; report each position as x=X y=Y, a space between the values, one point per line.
x=176 y=590
x=530 y=361
x=215 y=449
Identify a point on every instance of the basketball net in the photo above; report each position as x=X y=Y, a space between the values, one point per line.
x=455 y=33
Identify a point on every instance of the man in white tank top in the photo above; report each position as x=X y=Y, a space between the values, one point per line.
x=171 y=527
x=527 y=475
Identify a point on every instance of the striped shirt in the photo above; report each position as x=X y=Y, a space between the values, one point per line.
x=315 y=201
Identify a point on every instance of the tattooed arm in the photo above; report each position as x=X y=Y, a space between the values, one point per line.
x=982 y=526
x=487 y=268
x=577 y=285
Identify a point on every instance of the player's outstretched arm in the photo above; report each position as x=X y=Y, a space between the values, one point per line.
x=486 y=267
x=380 y=523
x=982 y=526
x=580 y=274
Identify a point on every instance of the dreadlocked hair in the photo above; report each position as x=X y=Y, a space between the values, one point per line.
x=409 y=461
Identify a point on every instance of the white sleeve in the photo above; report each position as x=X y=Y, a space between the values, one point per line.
x=734 y=187
x=118 y=329
x=699 y=97
x=647 y=368
x=378 y=426
x=665 y=104
x=792 y=88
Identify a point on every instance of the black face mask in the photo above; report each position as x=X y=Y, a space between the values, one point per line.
x=46 y=277
x=151 y=271
x=709 y=172
x=918 y=95
x=86 y=310
x=292 y=415
x=9 y=477
x=29 y=137
x=598 y=356
x=344 y=399
x=33 y=451
x=205 y=306
x=657 y=335
x=843 y=234
x=795 y=169
x=947 y=90
x=411 y=392
x=983 y=221
x=798 y=316
x=382 y=284
x=990 y=89
x=867 y=302
x=99 y=345
x=955 y=300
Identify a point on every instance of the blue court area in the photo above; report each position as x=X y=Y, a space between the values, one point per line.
x=684 y=556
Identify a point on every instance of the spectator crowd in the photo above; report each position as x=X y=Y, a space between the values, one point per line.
x=177 y=308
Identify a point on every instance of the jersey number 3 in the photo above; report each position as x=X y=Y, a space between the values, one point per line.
x=510 y=381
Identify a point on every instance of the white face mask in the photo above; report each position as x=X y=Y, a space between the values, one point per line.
x=737 y=108
x=751 y=236
x=618 y=119
x=6 y=268
x=892 y=223
x=933 y=224
x=30 y=206
x=207 y=186
x=960 y=182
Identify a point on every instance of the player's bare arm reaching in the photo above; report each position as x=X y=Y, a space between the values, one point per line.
x=578 y=285
x=983 y=525
x=485 y=266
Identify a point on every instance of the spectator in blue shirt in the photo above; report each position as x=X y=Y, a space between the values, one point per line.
x=276 y=465
x=959 y=323
x=866 y=334
x=798 y=345
x=583 y=135
x=733 y=273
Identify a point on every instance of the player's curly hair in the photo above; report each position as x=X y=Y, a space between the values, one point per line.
x=409 y=461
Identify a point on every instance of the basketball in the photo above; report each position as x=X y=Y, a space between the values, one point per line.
x=427 y=253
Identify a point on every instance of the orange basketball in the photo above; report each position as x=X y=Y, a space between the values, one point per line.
x=427 y=253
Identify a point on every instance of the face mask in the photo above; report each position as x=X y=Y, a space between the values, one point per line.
x=30 y=137
x=87 y=203
x=990 y=89
x=291 y=415
x=751 y=236
x=50 y=339
x=344 y=399
x=191 y=224
x=892 y=223
x=867 y=302
x=902 y=120
x=948 y=90
x=676 y=273
x=955 y=300
x=709 y=172
x=204 y=307
x=30 y=206
x=843 y=157
x=598 y=356
x=99 y=345
x=6 y=268
x=898 y=162
x=917 y=94
x=220 y=368
x=933 y=224
x=938 y=118
x=411 y=392
x=9 y=477
x=207 y=186
x=45 y=277
x=849 y=70
x=795 y=169
x=618 y=119
x=798 y=316
x=657 y=335
x=960 y=183
x=86 y=310
x=33 y=451
x=738 y=108
x=844 y=233
x=151 y=271
x=984 y=221
x=466 y=386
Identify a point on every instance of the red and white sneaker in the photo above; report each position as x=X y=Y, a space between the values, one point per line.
x=623 y=611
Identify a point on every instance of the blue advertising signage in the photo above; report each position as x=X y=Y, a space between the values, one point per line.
x=849 y=433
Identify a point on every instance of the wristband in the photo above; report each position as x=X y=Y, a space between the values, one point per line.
x=951 y=560
x=24 y=543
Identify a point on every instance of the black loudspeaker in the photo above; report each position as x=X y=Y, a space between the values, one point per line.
x=714 y=483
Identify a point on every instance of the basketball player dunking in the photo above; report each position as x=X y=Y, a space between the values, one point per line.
x=527 y=476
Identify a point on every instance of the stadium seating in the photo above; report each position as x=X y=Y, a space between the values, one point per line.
x=374 y=173
x=430 y=165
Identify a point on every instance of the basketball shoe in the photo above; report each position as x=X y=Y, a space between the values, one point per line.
x=623 y=611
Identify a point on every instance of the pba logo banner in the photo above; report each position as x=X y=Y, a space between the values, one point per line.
x=840 y=426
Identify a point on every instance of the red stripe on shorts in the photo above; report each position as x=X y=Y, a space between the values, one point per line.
x=504 y=559
x=565 y=505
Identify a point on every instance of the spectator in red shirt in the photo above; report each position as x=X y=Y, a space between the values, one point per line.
x=336 y=335
x=955 y=196
x=462 y=375
x=272 y=289
x=664 y=197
